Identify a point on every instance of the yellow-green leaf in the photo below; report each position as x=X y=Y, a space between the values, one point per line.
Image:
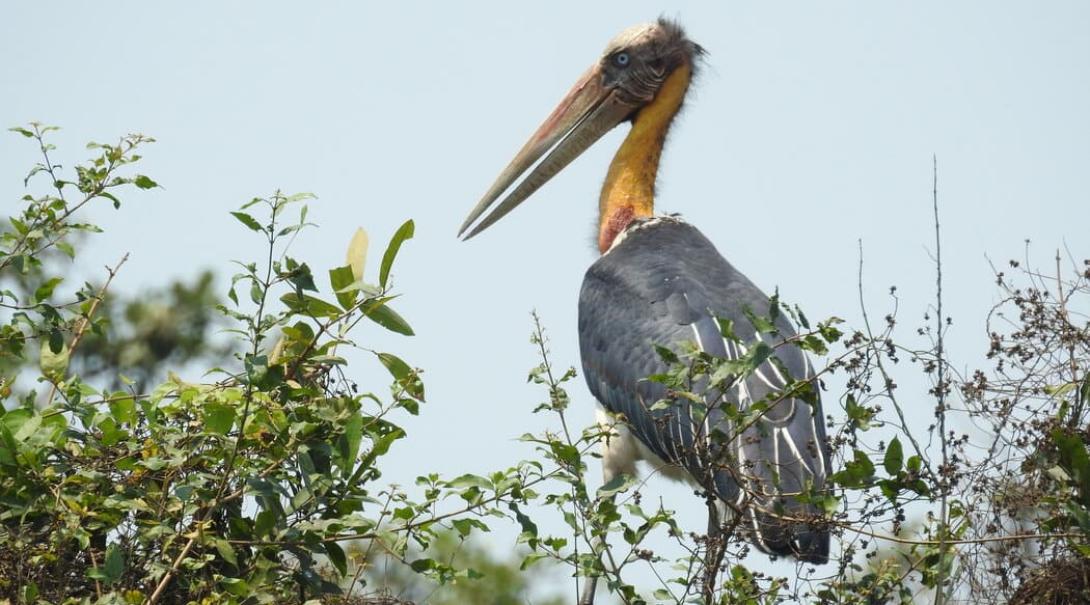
x=53 y=365
x=356 y=256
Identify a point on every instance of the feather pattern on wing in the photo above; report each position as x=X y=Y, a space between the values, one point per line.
x=663 y=283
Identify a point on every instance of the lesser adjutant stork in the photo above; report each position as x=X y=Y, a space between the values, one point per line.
x=659 y=281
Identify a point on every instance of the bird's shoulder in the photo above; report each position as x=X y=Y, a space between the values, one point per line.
x=667 y=262
x=664 y=282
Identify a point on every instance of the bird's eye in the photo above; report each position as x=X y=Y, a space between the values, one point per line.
x=621 y=59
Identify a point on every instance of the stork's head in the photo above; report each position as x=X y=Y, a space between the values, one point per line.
x=635 y=67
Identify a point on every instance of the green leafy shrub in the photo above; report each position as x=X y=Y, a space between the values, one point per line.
x=121 y=482
x=239 y=490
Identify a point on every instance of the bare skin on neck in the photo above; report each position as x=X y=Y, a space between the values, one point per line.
x=629 y=190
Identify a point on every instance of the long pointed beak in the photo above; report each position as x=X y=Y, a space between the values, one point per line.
x=587 y=112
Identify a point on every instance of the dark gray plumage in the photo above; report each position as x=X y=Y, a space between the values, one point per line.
x=664 y=283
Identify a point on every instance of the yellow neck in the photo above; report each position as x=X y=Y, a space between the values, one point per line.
x=629 y=190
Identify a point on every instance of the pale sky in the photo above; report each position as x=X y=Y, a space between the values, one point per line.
x=812 y=126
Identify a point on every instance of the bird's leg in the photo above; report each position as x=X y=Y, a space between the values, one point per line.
x=598 y=544
x=587 y=598
x=714 y=549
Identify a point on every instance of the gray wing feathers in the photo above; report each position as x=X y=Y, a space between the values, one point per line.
x=664 y=284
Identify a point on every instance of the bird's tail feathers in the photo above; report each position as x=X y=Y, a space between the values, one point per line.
x=798 y=531
x=780 y=525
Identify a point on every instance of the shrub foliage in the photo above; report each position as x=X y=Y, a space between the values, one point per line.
x=122 y=482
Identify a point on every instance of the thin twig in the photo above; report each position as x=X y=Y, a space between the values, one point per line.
x=887 y=382
x=554 y=398
x=940 y=391
x=85 y=321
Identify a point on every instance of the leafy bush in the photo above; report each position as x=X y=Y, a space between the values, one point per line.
x=242 y=489
x=120 y=482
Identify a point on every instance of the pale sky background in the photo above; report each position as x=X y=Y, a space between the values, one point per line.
x=811 y=127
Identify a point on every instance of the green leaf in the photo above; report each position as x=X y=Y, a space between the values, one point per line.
x=762 y=324
x=774 y=306
x=248 y=220
x=894 y=457
x=857 y=472
x=218 y=417
x=801 y=317
x=113 y=198
x=469 y=480
x=397 y=367
x=111 y=434
x=757 y=355
x=310 y=306
x=662 y=404
x=226 y=551
x=144 y=182
x=257 y=367
x=379 y=447
x=114 y=565
x=914 y=464
x=829 y=503
x=889 y=489
x=422 y=565
x=340 y=278
x=529 y=528
x=337 y=558
x=16 y=419
x=300 y=276
x=45 y=290
x=1084 y=550
x=29 y=593
x=726 y=328
x=235 y=586
x=666 y=355
x=533 y=558
x=386 y=317
x=264 y=523
x=404 y=232
x=123 y=408
x=812 y=343
x=349 y=444
x=618 y=483
x=828 y=332
x=406 y=377
x=8 y=447
x=56 y=341
x=567 y=454
x=859 y=415
x=1074 y=459
x=466 y=526
x=56 y=424
x=863 y=463
x=257 y=292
